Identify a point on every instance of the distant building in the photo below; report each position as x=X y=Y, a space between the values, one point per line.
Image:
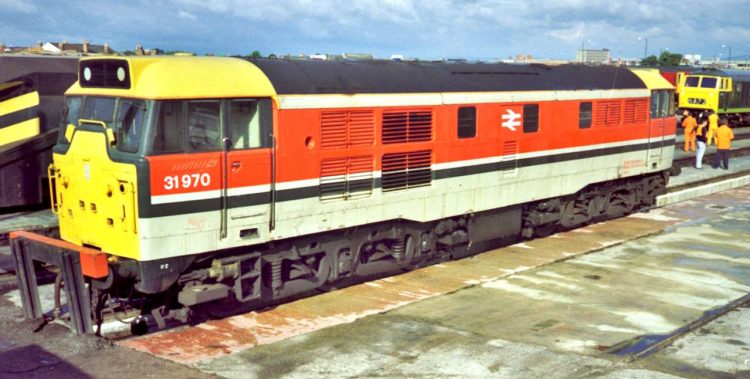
x=60 y=48
x=629 y=62
x=593 y=56
x=524 y=58
x=5 y=49
x=84 y=48
x=691 y=59
x=358 y=56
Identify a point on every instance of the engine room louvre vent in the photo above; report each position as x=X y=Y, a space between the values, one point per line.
x=635 y=111
x=346 y=178
x=608 y=113
x=343 y=129
x=407 y=170
x=400 y=127
x=509 y=161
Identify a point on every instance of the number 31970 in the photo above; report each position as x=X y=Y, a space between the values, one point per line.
x=187 y=181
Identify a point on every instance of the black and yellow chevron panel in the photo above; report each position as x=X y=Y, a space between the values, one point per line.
x=19 y=112
x=31 y=108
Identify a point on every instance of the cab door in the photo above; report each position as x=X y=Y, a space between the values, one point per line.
x=659 y=109
x=246 y=213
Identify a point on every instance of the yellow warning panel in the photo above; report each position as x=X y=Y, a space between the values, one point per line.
x=19 y=118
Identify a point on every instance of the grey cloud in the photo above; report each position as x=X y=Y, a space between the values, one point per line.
x=426 y=29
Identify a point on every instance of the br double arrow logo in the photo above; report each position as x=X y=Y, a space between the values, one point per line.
x=511 y=120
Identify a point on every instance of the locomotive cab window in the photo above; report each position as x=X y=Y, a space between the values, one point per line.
x=668 y=103
x=530 y=118
x=99 y=108
x=204 y=125
x=72 y=110
x=707 y=82
x=129 y=127
x=662 y=104
x=692 y=81
x=168 y=134
x=71 y=114
x=584 y=115
x=655 y=101
x=249 y=123
x=467 y=122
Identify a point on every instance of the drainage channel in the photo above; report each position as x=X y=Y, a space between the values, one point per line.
x=644 y=346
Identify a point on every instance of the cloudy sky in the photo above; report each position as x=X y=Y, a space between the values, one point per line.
x=426 y=29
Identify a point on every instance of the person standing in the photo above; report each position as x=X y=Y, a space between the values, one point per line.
x=724 y=137
x=690 y=125
x=700 y=137
x=713 y=125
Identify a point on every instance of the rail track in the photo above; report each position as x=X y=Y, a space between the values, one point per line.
x=644 y=346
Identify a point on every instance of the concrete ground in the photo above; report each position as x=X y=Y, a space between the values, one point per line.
x=54 y=352
x=561 y=320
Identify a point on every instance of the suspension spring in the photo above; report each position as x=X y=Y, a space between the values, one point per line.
x=398 y=247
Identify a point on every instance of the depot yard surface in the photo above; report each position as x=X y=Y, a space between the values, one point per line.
x=516 y=315
x=554 y=307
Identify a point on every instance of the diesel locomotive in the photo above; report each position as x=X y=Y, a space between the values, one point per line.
x=726 y=92
x=186 y=181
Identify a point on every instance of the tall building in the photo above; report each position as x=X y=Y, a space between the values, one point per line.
x=593 y=56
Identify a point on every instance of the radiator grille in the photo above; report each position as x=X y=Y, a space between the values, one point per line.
x=509 y=160
x=400 y=127
x=343 y=129
x=407 y=170
x=635 y=111
x=346 y=178
x=608 y=113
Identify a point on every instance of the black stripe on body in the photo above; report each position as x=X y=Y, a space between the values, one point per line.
x=171 y=209
x=19 y=116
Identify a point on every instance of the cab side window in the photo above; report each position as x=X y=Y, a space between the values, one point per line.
x=72 y=113
x=72 y=110
x=204 y=125
x=169 y=134
x=665 y=104
x=655 y=100
x=250 y=123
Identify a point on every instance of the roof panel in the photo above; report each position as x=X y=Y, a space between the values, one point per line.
x=350 y=77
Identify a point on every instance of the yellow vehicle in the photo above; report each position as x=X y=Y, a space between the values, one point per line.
x=31 y=102
x=726 y=92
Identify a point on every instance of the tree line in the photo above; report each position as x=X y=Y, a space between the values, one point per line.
x=665 y=59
